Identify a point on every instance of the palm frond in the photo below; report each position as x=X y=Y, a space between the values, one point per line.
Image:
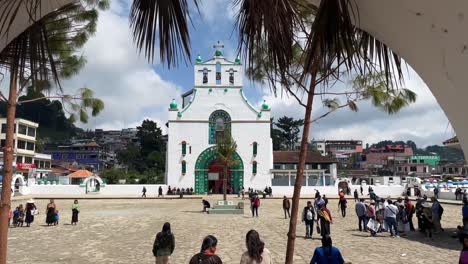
x=268 y=24
x=166 y=20
x=44 y=51
x=332 y=40
x=378 y=57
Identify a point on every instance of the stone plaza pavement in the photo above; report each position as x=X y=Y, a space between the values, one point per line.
x=123 y=231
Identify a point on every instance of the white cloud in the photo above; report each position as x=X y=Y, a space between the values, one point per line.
x=423 y=122
x=128 y=85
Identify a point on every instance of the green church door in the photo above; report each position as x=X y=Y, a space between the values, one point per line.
x=202 y=168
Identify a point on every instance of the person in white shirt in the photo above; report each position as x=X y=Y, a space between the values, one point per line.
x=390 y=214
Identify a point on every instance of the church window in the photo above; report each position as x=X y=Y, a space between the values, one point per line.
x=255 y=147
x=184 y=167
x=184 y=148
x=205 y=75
x=218 y=73
x=219 y=125
x=254 y=167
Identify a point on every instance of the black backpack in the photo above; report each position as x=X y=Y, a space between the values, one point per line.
x=441 y=210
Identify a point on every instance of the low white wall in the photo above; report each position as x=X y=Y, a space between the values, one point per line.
x=152 y=190
x=132 y=189
x=56 y=189
x=109 y=189
x=443 y=194
x=381 y=191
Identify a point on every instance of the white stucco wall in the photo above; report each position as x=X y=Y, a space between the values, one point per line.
x=107 y=190
x=248 y=125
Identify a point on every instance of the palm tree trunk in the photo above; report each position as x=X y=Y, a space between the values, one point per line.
x=5 y=203
x=225 y=183
x=300 y=167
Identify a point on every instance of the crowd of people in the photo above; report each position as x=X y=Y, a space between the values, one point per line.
x=255 y=253
x=26 y=214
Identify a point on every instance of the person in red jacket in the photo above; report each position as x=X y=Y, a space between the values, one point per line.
x=410 y=210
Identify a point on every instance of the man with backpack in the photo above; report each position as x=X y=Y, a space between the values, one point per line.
x=437 y=211
x=254 y=204
x=308 y=217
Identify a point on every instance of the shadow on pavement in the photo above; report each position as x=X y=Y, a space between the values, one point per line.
x=446 y=239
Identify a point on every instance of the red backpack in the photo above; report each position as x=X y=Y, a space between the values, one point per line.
x=257 y=202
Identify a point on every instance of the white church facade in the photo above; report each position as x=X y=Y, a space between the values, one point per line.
x=214 y=106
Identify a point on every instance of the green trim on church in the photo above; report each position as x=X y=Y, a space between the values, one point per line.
x=212 y=124
x=201 y=171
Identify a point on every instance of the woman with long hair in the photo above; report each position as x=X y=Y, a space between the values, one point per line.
x=327 y=253
x=207 y=252
x=256 y=252
x=50 y=212
x=164 y=244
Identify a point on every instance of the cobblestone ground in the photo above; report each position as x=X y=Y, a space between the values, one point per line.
x=123 y=231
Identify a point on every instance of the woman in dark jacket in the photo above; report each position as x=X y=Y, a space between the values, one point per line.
x=30 y=209
x=164 y=245
x=207 y=253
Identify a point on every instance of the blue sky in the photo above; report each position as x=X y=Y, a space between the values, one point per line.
x=133 y=90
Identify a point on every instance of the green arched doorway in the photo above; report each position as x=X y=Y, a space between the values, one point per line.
x=202 y=168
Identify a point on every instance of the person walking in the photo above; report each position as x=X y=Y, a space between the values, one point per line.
x=390 y=213
x=317 y=194
x=50 y=212
x=356 y=196
x=465 y=214
x=325 y=218
x=207 y=253
x=256 y=252
x=75 y=212
x=327 y=254
x=164 y=244
x=30 y=211
x=343 y=204
x=426 y=220
x=361 y=212
x=308 y=217
x=437 y=211
x=325 y=200
x=372 y=217
x=410 y=210
x=143 y=192
x=362 y=191
x=419 y=210
x=243 y=192
x=436 y=192
x=286 y=207
x=254 y=204
x=160 y=192
x=270 y=191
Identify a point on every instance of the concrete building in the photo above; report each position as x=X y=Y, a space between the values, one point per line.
x=86 y=155
x=24 y=149
x=319 y=170
x=386 y=157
